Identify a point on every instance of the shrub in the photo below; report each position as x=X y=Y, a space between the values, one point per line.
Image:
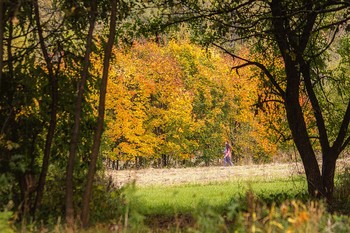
x=208 y=220
x=119 y=208
x=5 y=222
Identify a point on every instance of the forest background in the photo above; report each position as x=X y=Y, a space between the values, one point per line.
x=183 y=77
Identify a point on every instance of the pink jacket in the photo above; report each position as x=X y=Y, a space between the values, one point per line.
x=228 y=152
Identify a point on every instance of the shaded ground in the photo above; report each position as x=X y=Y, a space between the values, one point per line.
x=173 y=176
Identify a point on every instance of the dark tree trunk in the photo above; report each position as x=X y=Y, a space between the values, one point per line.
x=298 y=128
x=53 y=108
x=302 y=141
x=329 y=157
x=77 y=117
x=289 y=47
x=2 y=29
x=100 y=118
x=164 y=161
x=115 y=164
x=138 y=162
x=328 y=171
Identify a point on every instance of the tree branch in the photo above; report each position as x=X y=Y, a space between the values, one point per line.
x=346 y=143
x=339 y=143
x=193 y=17
x=304 y=39
x=259 y=65
x=305 y=70
x=328 y=45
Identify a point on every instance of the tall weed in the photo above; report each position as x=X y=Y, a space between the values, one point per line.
x=291 y=216
x=251 y=214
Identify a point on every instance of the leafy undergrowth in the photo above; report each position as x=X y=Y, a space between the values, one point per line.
x=289 y=216
x=261 y=206
x=255 y=206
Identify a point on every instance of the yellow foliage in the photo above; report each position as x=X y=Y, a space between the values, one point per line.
x=160 y=97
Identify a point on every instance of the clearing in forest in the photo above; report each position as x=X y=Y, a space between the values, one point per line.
x=176 y=176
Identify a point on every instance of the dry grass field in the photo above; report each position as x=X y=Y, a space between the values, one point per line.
x=175 y=176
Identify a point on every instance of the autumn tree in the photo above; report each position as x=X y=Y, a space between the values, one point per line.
x=301 y=33
x=181 y=105
x=144 y=106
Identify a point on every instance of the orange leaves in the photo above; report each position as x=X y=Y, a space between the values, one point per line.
x=179 y=100
x=144 y=97
x=248 y=125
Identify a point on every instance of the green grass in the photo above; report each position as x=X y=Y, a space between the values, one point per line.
x=170 y=200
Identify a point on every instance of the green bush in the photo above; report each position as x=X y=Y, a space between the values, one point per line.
x=117 y=207
x=5 y=222
x=208 y=219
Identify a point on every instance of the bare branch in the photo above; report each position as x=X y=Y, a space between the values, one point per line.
x=305 y=69
x=328 y=45
x=259 y=65
x=346 y=143
x=339 y=142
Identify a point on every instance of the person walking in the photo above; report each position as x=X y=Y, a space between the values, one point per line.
x=228 y=154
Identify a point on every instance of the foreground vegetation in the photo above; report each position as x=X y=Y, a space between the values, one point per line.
x=257 y=205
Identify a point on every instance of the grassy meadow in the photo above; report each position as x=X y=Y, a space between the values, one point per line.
x=269 y=198
x=258 y=204
x=168 y=200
